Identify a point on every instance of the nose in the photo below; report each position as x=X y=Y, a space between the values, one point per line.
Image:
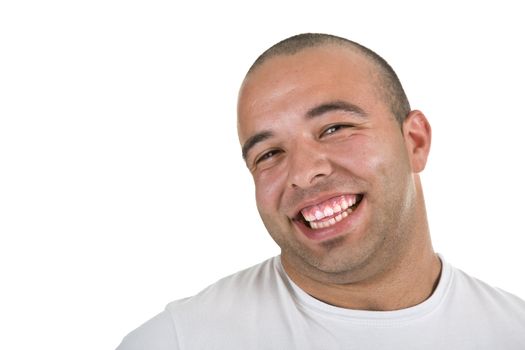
x=308 y=165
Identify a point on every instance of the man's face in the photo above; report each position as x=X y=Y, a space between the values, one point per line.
x=334 y=185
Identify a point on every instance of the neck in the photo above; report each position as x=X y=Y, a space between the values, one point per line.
x=407 y=282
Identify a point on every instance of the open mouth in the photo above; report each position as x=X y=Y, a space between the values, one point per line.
x=330 y=212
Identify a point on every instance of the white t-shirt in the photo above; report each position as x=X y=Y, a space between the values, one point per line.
x=261 y=308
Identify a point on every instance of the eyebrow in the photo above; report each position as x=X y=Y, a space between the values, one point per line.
x=312 y=113
x=335 y=106
x=255 y=139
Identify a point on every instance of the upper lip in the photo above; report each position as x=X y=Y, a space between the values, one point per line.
x=296 y=213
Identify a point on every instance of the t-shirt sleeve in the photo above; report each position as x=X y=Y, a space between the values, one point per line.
x=156 y=334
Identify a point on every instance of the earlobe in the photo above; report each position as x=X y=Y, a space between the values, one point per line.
x=418 y=136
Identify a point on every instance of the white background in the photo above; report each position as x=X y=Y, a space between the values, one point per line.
x=121 y=182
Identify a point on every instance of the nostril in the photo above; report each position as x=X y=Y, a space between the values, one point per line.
x=307 y=168
x=318 y=176
x=308 y=181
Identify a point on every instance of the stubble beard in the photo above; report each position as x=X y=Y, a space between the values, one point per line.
x=335 y=260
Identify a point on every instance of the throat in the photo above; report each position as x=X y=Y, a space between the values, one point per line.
x=386 y=293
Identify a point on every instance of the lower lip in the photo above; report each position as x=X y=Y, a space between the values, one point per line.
x=333 y=231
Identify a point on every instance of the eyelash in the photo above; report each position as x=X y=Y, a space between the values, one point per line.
x=267 y=155
x=274 y=152
x=337 y=127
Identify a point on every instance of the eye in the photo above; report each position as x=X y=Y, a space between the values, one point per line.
x=267 y=155
x=333 y=128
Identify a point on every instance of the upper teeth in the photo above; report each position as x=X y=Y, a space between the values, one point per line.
x=328 y=208
x=331 y=221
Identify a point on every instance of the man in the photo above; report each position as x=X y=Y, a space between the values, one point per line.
x=335 y=152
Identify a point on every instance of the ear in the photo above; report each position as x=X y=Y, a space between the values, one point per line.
x=418 y=135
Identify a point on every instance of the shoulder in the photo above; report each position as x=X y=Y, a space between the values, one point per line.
x=488 y=299
x=156 y=334
x=222 y=308
x=228 y=313
x=242 y=287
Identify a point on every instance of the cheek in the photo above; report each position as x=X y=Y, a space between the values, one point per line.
x=372 y=160
x=363 y=155
x=268 y=190
x=384 y=164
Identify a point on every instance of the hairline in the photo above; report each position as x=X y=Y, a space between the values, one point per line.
x=387 y=83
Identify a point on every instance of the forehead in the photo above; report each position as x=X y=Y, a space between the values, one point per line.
x=291 y=84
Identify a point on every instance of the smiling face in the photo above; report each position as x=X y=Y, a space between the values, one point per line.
x=334 y=176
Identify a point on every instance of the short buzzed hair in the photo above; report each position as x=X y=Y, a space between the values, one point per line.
x=390 y=85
